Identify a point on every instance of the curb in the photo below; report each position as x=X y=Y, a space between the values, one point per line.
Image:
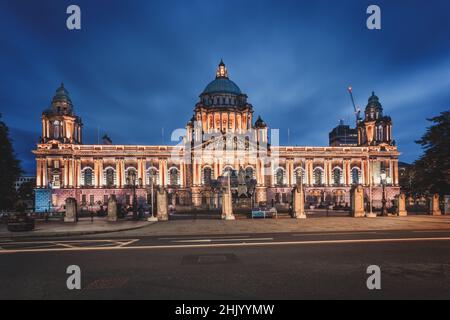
x=69 y=234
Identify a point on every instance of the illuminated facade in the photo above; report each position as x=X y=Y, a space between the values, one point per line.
x=222 y=136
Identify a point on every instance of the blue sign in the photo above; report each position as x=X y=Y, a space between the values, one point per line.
x=43 y=200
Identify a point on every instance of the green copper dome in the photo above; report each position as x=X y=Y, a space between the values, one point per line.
x=62 y=95
x=222 y=85
x=374 y=101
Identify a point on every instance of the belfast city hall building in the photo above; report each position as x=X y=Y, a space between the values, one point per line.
x=223 y=141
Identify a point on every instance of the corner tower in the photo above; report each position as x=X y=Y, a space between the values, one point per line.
x=375 y=129
x=59 y=122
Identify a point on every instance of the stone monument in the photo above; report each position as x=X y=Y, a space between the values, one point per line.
x=401 y=205
x=162 y=205
x=112 y=208
x=242 y=184
x=298 y=203
x=358 y=202
x=447 y=205
x=71 y=210
x=227 y=205
x=434 y=205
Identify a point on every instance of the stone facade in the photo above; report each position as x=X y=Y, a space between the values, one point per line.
x=221 y=137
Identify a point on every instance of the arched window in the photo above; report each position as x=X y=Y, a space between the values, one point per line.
x=56 y=129
x=131 y=176
x=207 y=176
x=110 y=177
x=87 y=177
x=152 y=176
x=279 y=177
x=356 y=176
x=318 y=176
x=299 y=176
x=337 y=176
x=249 y=173
x=174 y=177
x=228 y=170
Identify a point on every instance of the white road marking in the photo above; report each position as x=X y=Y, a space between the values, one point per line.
x=120 y=241
x=223 y=240
x=63 y=245
x=332 y=233
x=227 y=245
x=124 y=244
x=433 y=231
x=206 y=237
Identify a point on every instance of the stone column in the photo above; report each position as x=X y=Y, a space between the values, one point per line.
x=309 y=168
x=258 y=172
x=162 y=205
x=118 y=180
x=122 y=173
x=401 y=205
x=196 y=197
x=78 y=175
x=182 y=170
x=112 y=208
x=326 y=171
x=299 y=203
x=165 y=171
x=194 y=172
x=363 y=173
x=272 y=174
x=395 y=181
x=38 y=173
x=44 y=173
x=71 y=210
x=348 y=174
x=65 y=183
x=434 y=206
x=358 y=202
x=100 y=173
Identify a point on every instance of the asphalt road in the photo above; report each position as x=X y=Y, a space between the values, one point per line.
x=414 y=265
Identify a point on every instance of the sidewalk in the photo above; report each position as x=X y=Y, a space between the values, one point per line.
x=195 y=227
x=83 y=227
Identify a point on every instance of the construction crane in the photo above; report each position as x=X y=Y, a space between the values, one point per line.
x=355 y=108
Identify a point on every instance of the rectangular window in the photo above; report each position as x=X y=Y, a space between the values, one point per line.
x=56 y=164
x=56 y=181
x=105 y=199
x=128 y=200
x=91 y=200
x=83 y=200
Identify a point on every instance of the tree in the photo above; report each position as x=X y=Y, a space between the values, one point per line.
x=26 y=191
x=431 y=172
x=9 y=169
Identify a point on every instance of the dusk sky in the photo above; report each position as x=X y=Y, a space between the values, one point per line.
x=138 y=66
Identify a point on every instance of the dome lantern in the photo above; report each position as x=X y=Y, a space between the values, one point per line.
x=222 y=71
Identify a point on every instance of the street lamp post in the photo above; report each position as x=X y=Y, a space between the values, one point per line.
x=371 y=183
x=383 y=201
x=131 y=181
x=152 y=218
